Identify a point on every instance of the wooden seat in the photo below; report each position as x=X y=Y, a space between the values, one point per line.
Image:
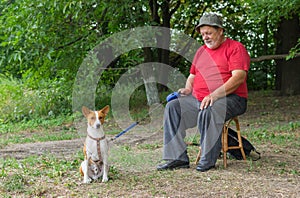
x=225 y=146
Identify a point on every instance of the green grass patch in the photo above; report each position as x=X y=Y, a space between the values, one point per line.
x=38 y=130
x=37 y=124
x=19 y=175
x=15 y=183
x=278 y=134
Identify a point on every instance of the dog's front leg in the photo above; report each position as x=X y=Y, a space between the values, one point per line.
x=105 y=172
x=104 y=153
x=85 y=166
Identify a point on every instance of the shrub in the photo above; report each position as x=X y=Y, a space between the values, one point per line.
x=19 y=101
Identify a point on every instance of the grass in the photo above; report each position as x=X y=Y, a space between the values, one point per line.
x=38 y=130
x=19 y=175
x=36 y=123
x=132 y=171
x=280 y=134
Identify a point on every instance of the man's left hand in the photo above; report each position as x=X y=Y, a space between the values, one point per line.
x=207 y=101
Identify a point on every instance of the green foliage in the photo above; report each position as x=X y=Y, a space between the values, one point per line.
x=273 y=9
x=295 y=50
x=46 y=36
x=18 y=101
x=261 y=76
x=266 y=15
x=43 y=43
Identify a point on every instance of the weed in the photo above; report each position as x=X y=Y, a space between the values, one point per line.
x=294 y=172
x=149 y=146
x=250 y=167
x=127 y=148
x=18 y=175
x=194 y=140
x=277 y=134
x=114 y=173
x=15 y=182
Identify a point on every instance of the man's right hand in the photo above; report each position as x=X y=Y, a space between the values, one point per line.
x=184 y=91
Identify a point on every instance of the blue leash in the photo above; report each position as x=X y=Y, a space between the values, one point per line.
x=126 y=130
x=170 y=97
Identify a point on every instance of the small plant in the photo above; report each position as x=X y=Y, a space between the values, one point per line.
x=277 y=134
x=15 y=182
x=149 y=146
x=114 y=173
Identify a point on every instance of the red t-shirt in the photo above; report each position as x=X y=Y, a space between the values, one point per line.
x=213 y=67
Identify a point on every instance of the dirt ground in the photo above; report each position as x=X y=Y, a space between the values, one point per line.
x=276 y=174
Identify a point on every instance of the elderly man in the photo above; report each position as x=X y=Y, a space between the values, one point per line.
x=215 y=91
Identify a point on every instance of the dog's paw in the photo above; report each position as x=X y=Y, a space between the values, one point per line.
x=87 y=181
x=104 y=179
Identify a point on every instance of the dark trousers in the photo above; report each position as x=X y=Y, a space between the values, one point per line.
x=184 y=112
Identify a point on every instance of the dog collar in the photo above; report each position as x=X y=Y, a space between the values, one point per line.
x=97 y=139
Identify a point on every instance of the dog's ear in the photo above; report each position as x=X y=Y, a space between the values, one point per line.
x=105 y=109
x=85 y=111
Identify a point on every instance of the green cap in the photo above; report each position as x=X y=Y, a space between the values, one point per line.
x=210 y=19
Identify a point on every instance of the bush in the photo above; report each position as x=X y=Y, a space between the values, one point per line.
x=15 y=99
x=19 y=101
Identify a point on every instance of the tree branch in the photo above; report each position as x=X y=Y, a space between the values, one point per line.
x=271 y=57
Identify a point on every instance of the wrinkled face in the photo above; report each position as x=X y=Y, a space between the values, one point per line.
x=212 y=37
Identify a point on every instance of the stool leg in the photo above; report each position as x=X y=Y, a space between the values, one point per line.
x=225 y=144
x=240 y=137
x=198 y=156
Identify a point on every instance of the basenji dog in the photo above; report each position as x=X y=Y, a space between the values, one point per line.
x=95 y=149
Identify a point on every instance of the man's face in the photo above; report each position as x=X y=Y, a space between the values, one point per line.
x=212 y=37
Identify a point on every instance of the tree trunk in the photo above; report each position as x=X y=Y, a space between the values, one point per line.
x=288 y=72
x=164 y=38
x=162 y=56
x=149 y=79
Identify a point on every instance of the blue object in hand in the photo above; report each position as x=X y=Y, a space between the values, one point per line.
x=172 y=96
